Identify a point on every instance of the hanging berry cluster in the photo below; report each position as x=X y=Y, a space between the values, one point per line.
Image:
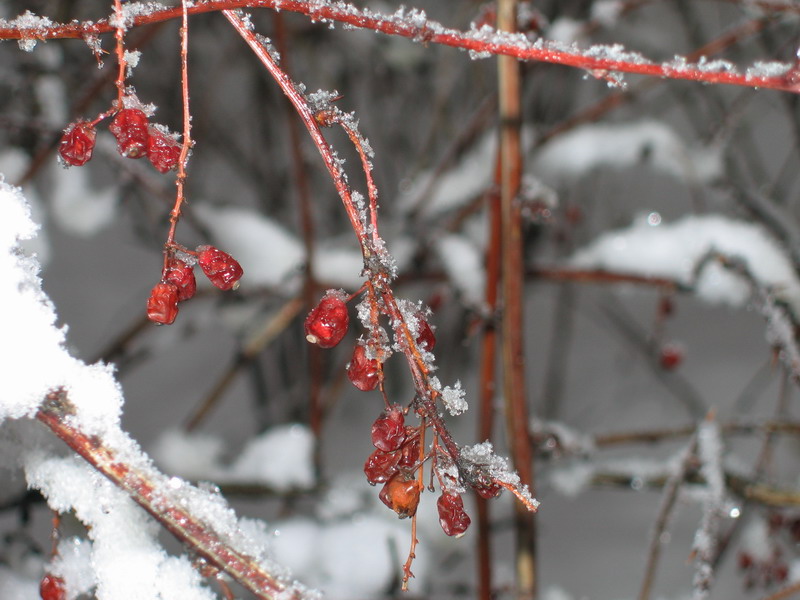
x=136 y=138
x=399 y=451
x=178 y=282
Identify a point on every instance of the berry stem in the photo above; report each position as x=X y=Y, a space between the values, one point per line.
x=122 y=64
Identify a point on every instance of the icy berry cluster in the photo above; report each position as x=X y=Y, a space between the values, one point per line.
x=136 y=138
x=178 y=282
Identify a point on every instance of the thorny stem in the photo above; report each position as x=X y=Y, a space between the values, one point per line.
x=431 y=32
x=512 y=281
x=142 y=485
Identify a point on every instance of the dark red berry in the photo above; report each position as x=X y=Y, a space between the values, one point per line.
x=671 y=356
x=162 y=305
x=488 y=490
x=130 y=128
x=389 y=430
x=401 y=495
x=220 y=267
x=410 y=451
x=425 y=338
x=362 y=371
x=327 y=322
x=52 y=588
x=77 y=143
x=381 y=466
x=452 y=517
x=182 y=275
x=745 y=560
x=163 y=150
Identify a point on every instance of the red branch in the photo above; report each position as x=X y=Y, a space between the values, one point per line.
x=144 y=487
x=415 y=26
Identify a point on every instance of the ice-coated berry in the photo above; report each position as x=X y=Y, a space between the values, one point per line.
x=163 y=150
x=410 y=450
x=52 y=588
x=487 y=490
x=328 y=321
x=389 y=430
x=162 y=305
x=426 y=340
x=77 y=143
x=220 y=267
x=671 y=356
x=381 y=466
x=363 y=372
x=182 y=275
x=401 y=495
x=452 y=517
x=129 y=127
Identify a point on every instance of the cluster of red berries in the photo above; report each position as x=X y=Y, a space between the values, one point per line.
x=178 y=282
x=396 y=458
x=765 y=571
x=136 y=138
x=52 y=588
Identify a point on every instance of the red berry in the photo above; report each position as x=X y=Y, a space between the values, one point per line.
x=745 y=560
x=162 y=305
x=671 y=356
x=327 y=322
x=410 y=452
x=52 y=588
x=362 y=371
x=388 y=430
x=130 y=128
x=381 y=466
x=163 y=150
x=220 y=267
x=401 y=495
x=182 y=275
x=452 y=517
x=488 y=490
x=77 y=143
x=425 y=338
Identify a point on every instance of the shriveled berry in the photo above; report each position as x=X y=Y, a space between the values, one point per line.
x=381 y=466
x=327 y=323
x=129 y=126
x=671 y=356
x=220 y=267
x=452 y=517
x=388 y=430
x=182 y=275
x=162 y=305
x=363 y=372
x=426 y=340
x=410 y=450
x=401 y=495
x=163 y=150
x=52 y=588
x=77 y=143
x=487 y=490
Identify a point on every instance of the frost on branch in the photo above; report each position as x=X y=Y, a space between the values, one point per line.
x=483 y=468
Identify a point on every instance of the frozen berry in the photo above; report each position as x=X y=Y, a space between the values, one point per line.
x=130 y=128
x=388 y=430
x=162 y=305
x=410 y=450
x=163 y=150
x=425 y=338
x=77 y=143
x=52 y=588
x=362 y=371
x=327 y=322
x=220 y=267
x=452 y=517
x=671 y=356
x=487 y=490
x=401 y=495
x=381 y=466
x=182 y=275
